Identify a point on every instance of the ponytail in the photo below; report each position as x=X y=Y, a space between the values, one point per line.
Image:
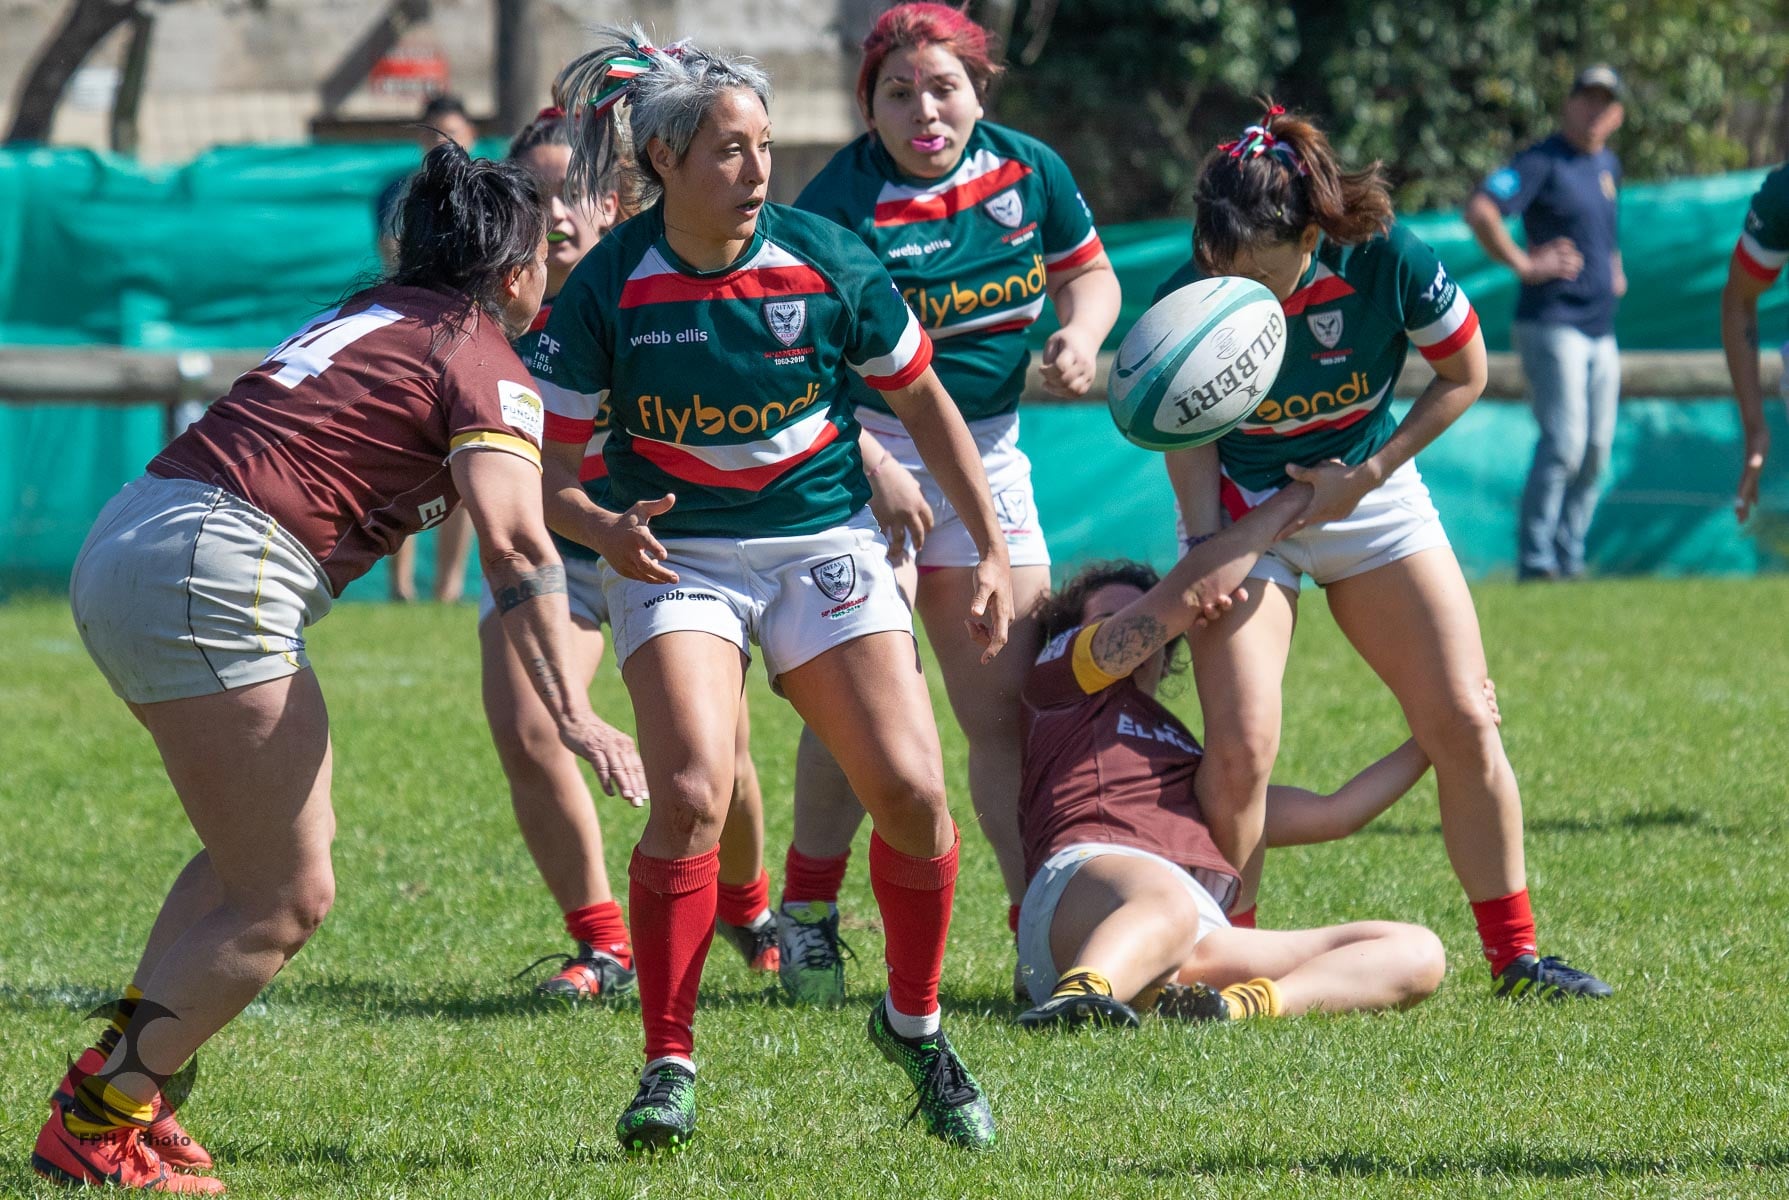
x=1276 y=180
x=466 y=224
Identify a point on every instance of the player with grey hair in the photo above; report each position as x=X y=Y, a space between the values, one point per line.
x=718 y=333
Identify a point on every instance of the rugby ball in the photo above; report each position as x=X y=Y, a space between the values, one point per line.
x=1197 y=363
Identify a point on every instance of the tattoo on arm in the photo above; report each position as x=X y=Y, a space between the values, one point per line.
x=546 y=681
x=543 y=582
x=1119 y=647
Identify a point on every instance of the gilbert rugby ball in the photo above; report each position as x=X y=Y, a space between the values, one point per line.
x=1197 y=363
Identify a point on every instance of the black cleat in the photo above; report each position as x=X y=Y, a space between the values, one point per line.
x=663 y=1114
x=1548 y=979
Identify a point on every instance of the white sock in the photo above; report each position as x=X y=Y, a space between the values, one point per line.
x=910 y=1027
x=760 y=921
x=678 y=1059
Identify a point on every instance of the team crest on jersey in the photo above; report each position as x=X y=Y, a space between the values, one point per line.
x=1006 y=208
x=836 y=577
x=787 y=319
x=1326 y=327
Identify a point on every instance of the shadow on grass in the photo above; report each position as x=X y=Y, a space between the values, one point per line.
x=1669 y=817
x=1496 y=1158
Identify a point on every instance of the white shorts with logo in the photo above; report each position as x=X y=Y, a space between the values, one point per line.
x=796 y=597
x=1009 y=478
x=1037 y=912
x=583 y=589
x=183 y=589
x=1393 y=521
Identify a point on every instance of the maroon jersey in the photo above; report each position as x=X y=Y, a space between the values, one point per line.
x=1105 y=763
x=344 y=434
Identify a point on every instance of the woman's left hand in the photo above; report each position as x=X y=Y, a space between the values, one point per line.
x=1069 y=363
x=899 y=505
x=1339 y=489
x=991 y=607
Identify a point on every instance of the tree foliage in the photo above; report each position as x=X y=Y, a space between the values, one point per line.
x=1133 y=92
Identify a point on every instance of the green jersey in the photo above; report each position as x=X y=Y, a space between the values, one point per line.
x=971 y=252
x=1764 y=246
x=592 y=472
x=728 y=387
x=1351 y=323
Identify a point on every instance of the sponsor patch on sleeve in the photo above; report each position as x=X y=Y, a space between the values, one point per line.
x=522 y=409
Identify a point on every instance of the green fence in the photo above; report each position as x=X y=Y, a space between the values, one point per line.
x=237 y=247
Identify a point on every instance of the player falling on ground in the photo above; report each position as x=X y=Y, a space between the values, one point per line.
x=552 y=802
x=1358 y=290
x=1757 y=261
x=1126 y=892
x=721 y=330
x=979 y=225
x=194 y=589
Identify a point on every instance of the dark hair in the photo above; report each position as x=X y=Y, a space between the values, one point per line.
x=1063 y=610
x=911 y=26
x=549 y=128
x=1279 y=178
x=465 y=224
x=445 y=105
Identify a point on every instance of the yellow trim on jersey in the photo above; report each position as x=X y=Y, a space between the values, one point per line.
x=1087 y=672
x=490 y=439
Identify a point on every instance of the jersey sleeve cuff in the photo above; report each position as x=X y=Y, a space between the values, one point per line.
x=569 y=429
x=1755 y=261
x=920 y=358
x=1089 y=249
x=488 y=439
x=1087 y=672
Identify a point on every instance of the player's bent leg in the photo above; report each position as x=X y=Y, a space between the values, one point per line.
x=985 y=700
x=810 y=954
x=686 y=689
x=744 y=919
x=1363 y=965
x=1238 y=665
x=866 y=700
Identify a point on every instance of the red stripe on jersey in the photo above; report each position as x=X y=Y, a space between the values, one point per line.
x=1005 y=326
x=954 y=200
x=672 y=287
x=1230 y=496
x=540 y=318
x=1086 y=254
x=1753 y=267
x=569 y=429
x=916 y=366
x=1330 y=287
x=686 y=466
x=1454 y=342
x=1338 y=423
x=593 y=467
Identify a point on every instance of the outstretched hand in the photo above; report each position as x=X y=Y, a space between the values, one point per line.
x=629 y=547
x=611 y=752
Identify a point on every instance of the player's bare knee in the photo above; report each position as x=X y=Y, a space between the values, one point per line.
x=1235 y=771
x=910 y=799
x=696 y=805
x=1425 y=960
x=1458 y=732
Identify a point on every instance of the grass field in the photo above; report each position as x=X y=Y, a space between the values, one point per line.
x=1648 y=722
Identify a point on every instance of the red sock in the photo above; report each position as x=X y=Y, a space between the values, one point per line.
x=601 y=926
x=1244 y=919
x=914 y=895
x=1012 y=917
x=742 y=903
x=672 y=900
x=806 y=879
x=1506 y=928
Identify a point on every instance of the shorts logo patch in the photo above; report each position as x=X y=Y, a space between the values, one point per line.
x=522 y=409
x=1326 y=327
x=1006 y=208
x=787 y=319
x=836 y=577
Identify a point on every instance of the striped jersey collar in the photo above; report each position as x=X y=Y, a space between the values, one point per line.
x=661 y=241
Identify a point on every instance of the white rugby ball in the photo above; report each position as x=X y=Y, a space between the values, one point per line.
x=1197 y=363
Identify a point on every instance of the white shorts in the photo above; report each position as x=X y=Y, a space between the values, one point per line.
x=1393 y=521
x=796 y=597
x=1009 y=478
x=184 y=589
x=583 y=589
x=1037 y=912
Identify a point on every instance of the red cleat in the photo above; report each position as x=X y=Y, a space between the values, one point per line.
x=757 y=944
x=117 y=1159
x=173 y=1144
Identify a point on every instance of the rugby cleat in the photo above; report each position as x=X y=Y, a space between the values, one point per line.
x=176 y=1147
x=663 y=1114
x=1077 y=1000
x=812 y=956
x=945 y=1094
x=589 y=974
x=757 y=944
x=1547 y=979
x=1191 y=1002
x=118 y=1158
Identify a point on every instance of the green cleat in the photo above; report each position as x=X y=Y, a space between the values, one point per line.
x=811 y=962
x=945 y=1093
x=663 y=1114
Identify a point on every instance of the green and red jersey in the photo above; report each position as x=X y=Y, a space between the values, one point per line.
x=593 y=471
x=730 y=388
x=1351 y=322
x=1764 y=246
x=971 y=252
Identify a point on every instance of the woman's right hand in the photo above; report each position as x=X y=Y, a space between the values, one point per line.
x=611 y=752
x=900 y=508
x=1757 y=450
x=628 y=546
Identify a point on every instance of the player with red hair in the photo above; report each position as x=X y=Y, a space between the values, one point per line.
x=979 y=226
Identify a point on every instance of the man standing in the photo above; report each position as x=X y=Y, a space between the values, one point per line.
x=1565 y=189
